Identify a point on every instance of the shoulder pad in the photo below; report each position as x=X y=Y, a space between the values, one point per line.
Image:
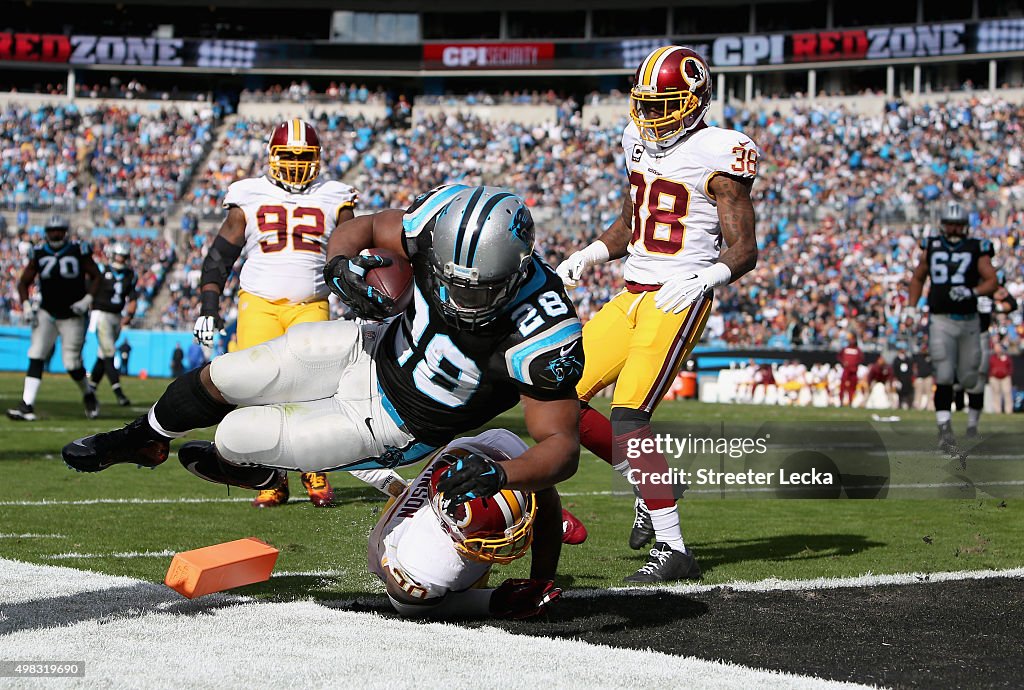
x=730 y=152
x=986 y=246
x=551 y=359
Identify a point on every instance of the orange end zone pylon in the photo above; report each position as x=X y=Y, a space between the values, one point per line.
x=221 y=566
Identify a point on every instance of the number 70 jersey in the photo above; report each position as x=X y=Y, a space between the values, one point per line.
x=286 y=236
x=675 y=215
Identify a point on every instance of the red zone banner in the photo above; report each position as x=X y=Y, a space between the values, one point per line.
x=864 y=45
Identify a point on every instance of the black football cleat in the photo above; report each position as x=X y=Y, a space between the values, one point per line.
x=122 y=399
x=947 y=441
x=22 y=413
x=135 y=443
x=92 y=405
x=643 y=527
x=202 y=459
x=665 y=564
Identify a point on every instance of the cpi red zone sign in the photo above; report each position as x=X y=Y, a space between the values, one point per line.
x=91 y=50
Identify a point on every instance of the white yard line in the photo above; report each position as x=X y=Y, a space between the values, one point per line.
x=72 y=555
x=32 y=536
x=776 y=585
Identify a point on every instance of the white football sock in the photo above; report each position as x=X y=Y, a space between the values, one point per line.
x=388 y=482
x=31 y=389
x=973 y=417
x=666 y=527
x=943 y=416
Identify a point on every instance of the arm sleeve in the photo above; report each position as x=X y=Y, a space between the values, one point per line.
x=548 y=365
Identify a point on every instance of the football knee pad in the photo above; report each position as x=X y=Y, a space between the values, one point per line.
x=251 y=435
x=244 y=375
x=625 y=419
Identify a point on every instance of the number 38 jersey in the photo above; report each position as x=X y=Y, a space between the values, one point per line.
x=444 y=381
x=951 y=266
x=61 y=280
x=675 y=215
x=286 y=236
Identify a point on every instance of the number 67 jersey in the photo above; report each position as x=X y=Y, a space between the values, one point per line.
x=675 y=214
x=286 y=236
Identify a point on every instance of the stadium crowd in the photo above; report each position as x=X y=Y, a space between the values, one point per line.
x=114 y=157
x=842 y=198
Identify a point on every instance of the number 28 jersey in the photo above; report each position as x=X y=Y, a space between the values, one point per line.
x=444 y=381
x=286 y=236
x=675 y=214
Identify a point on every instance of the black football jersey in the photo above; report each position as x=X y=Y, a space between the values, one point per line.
x=61 y=279
x=117 y=287
x=443 y=381
x=952 y=267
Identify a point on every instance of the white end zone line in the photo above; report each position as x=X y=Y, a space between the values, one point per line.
x=776 y=585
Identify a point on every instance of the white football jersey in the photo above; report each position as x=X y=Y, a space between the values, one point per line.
x=286 y=236
x=675 y=217
x=410 y=542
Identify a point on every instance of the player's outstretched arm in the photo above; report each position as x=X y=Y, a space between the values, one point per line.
x=554 y=425
x=547 y=535
x=611 y=245
x=375 y=230
x=736 y=218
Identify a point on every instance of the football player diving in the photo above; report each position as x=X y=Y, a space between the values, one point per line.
x=688 y=189
x=489 y=326
x=434 y=558
x=960 y=271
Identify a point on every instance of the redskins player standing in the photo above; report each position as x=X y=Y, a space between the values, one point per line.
x=689 y=189
x=280 y=223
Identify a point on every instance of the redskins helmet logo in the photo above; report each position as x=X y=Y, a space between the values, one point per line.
x=693 y=72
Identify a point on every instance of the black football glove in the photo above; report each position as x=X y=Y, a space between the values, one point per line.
x=473 y=476
x=347 y=279
x=516 y=599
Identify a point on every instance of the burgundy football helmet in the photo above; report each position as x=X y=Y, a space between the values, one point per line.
x=496 y=529
x=671 y=94
x=294 y=150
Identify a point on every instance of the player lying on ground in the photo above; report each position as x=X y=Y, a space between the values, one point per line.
x=433 y=558
x=489 y=326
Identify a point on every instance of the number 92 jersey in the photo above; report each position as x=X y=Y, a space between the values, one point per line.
x=675 y=215
x=286 y=236
x=444 y=381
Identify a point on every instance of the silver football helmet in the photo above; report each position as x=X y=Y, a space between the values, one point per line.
x=56 y=230
x=118 y=254
x=480 y=251
x=954 y=220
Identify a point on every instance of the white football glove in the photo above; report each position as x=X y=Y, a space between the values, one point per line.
x=81 y=307
x=31 y=315
x=207 y=328
x=960 y=293
x=572 y=268
x=985 y=305
x=679 y=292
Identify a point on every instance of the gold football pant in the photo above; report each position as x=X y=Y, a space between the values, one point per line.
x=260 y=320
x=633 y=343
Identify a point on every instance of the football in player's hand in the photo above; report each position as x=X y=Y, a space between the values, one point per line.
x=394 y=280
